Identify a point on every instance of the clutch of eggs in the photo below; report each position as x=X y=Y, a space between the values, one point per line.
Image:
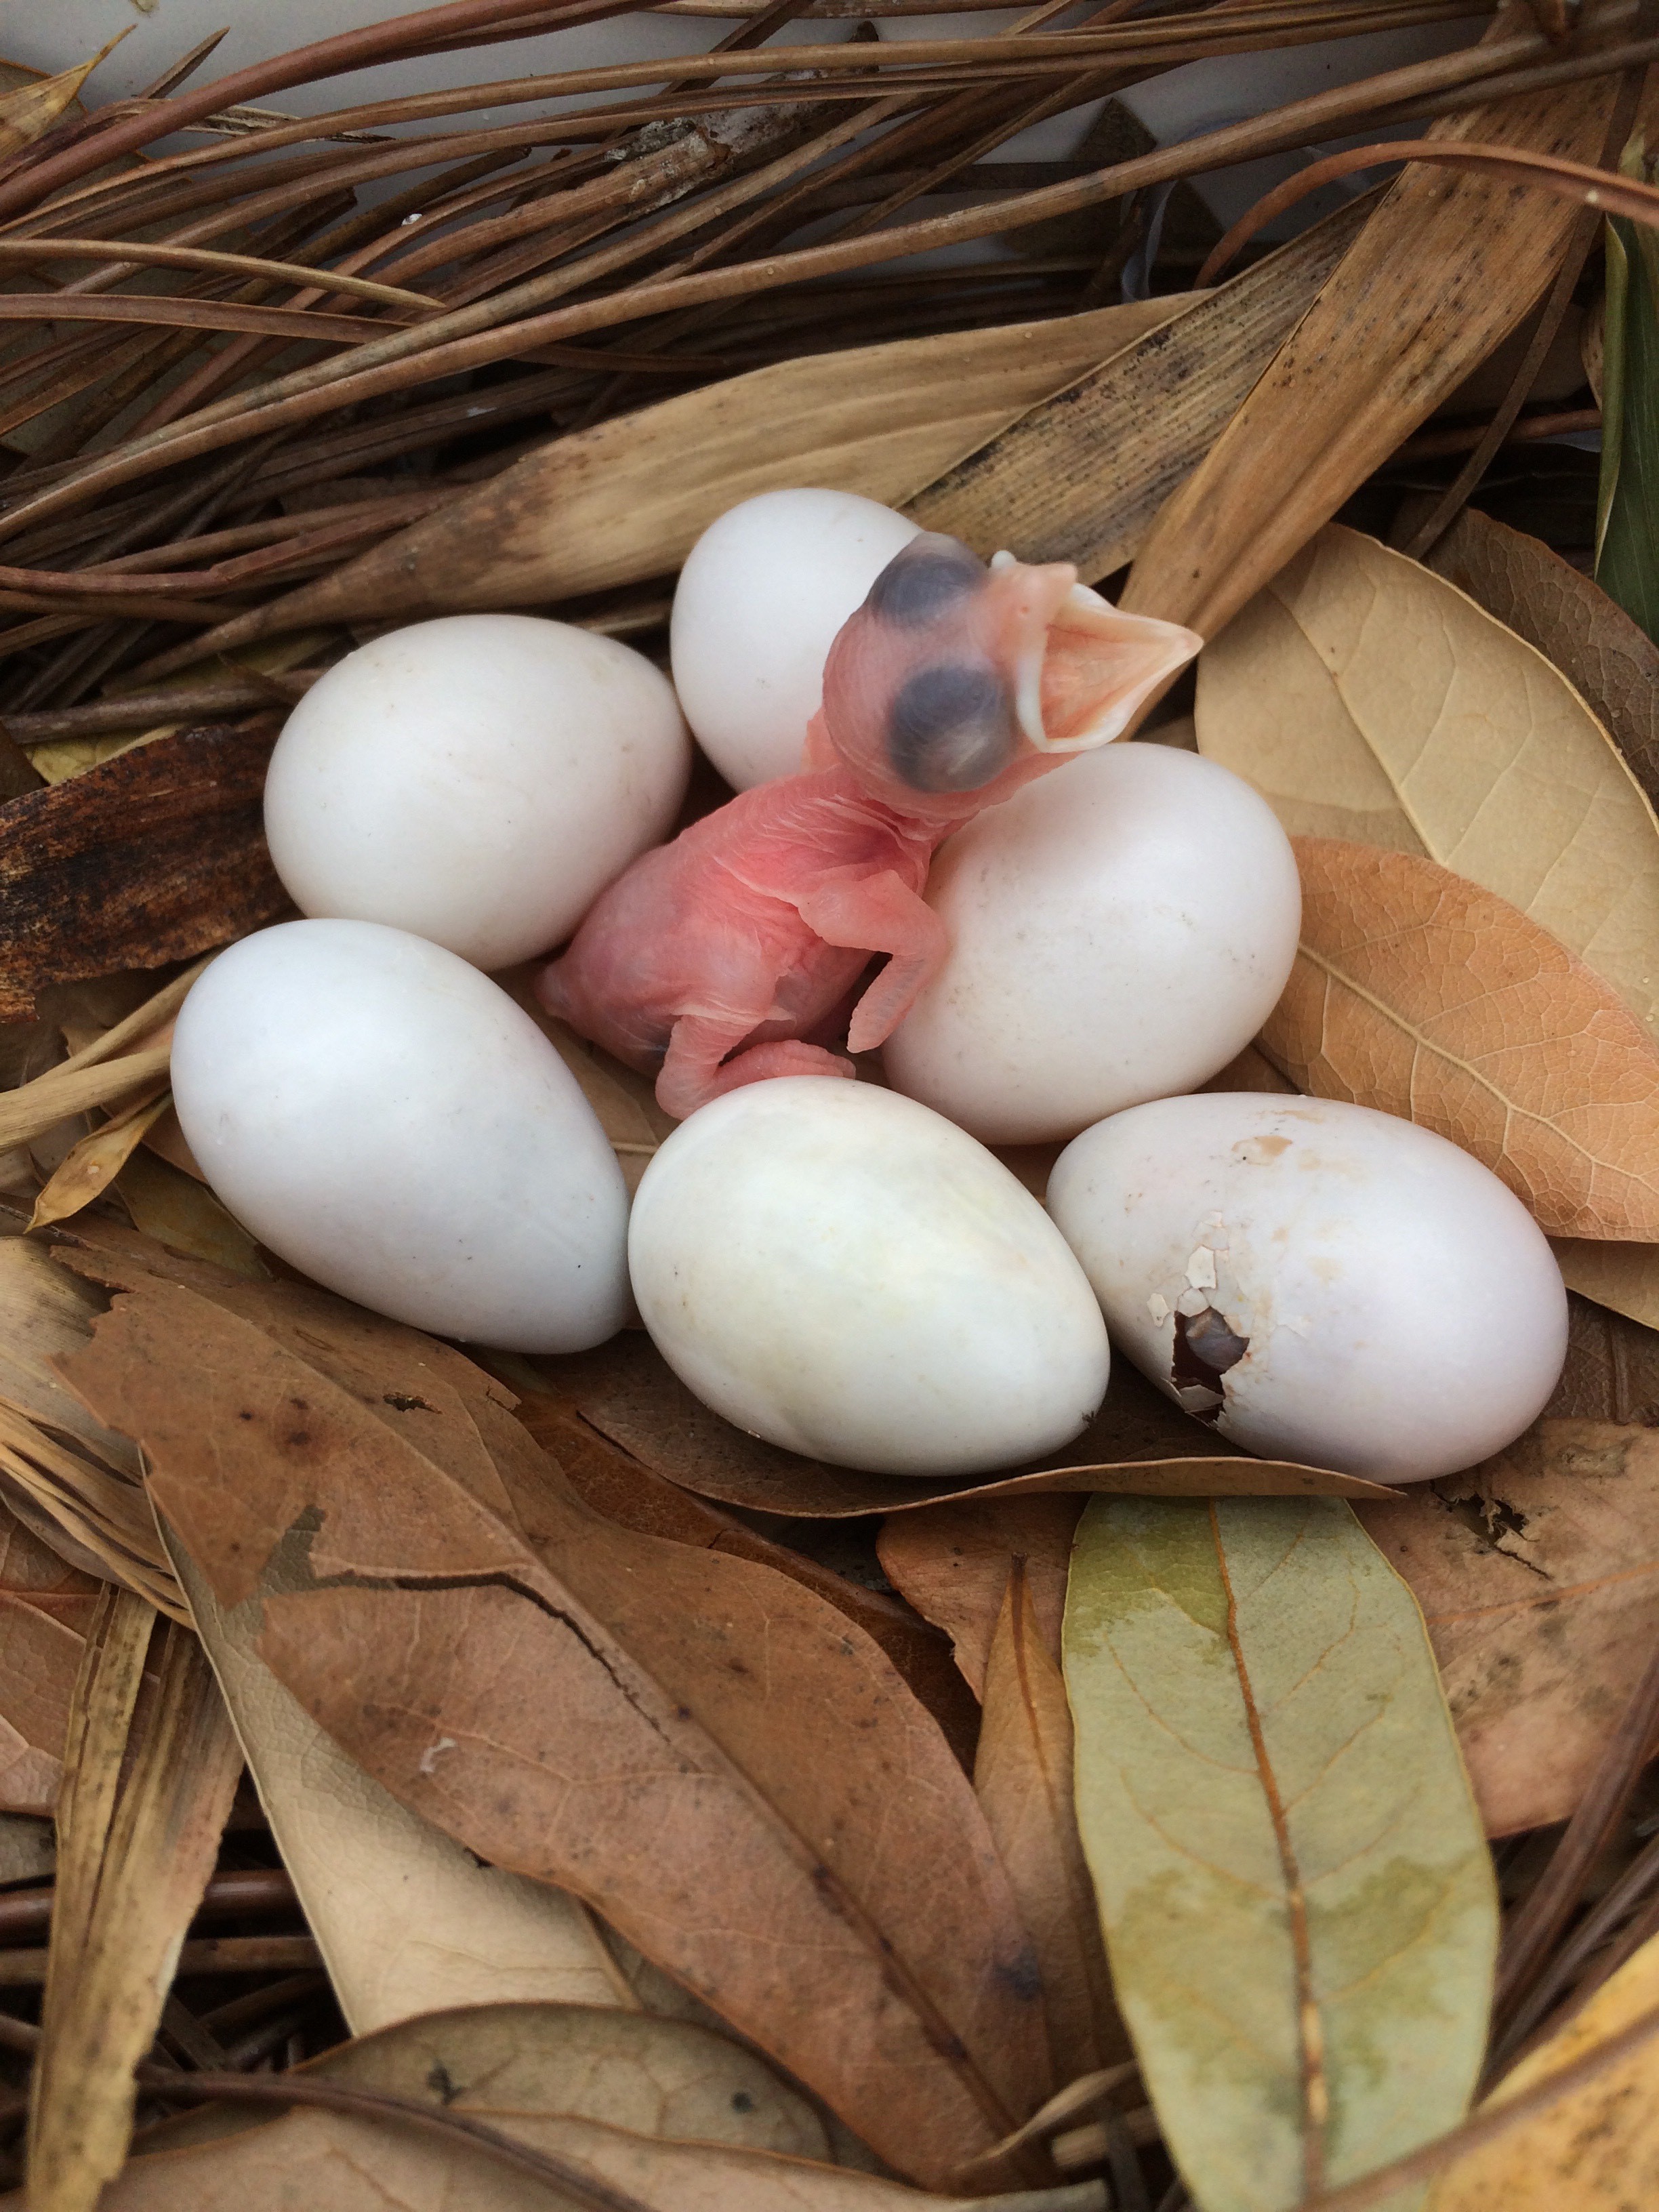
x=477 y=781
x=387 y=1121
x=1319 y=1281
x=759 y=601
x=1119 y=931
x=843 y=1272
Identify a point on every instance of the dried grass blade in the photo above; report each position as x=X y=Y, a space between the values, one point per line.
x=163 y=309
x=302 y=64
x=28 y=1112
x=108 y=1527
x=30 y=112
x=158 y=254
x=473 y=337
x=135 y=1852
x=1081 y=477
x=1444 y=270
x=626 y=500
x=88 y=1170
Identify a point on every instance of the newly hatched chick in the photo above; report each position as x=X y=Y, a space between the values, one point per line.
x=725 y=957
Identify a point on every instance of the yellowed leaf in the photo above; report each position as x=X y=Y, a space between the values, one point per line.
x=1594 y=2150
x=1416 y=992
x=88 y=1170
x=522 y=2068
x=29 y=112
x=1367 y=698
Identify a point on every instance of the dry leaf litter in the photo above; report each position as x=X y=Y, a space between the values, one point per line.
x=863 y=1739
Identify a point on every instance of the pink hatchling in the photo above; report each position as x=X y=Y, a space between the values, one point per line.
x=730 y=955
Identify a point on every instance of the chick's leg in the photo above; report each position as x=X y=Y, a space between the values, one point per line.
x=695 y=1069
x=879 y=914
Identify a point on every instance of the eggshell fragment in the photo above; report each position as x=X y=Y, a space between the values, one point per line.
x=761 y=597
x=479 y=781
x=1324 y=1283
x=1119 y=931
x=390 y=1122
x=839 y=1271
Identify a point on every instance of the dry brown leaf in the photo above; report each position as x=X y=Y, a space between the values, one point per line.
x=1416 y=992
x=330 y=2162
x=952 y=1563
x=1136 y=1442
x=628 y=498
x=1594 y=2150
x=1022 y=1773
x=1366 y=698
x=481 y=1682
x=1082 y=474
x=148 y=1787
x=1445 y=268
x=407 y=1920
x=625 y=1491
x=1537 y=1572
x=1625 y=1277
x=88 y=1169
x=523 y=2067
x=46 y=1608
x=1606 y=658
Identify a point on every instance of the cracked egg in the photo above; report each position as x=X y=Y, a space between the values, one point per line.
x=1317 y=1281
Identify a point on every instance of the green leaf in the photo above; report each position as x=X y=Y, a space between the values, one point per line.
x=1296 y=1892
x=1627 y=501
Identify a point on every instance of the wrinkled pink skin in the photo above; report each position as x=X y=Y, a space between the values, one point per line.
x=728 y=955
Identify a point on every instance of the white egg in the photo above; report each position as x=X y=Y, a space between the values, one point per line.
x=840 y=1272
x=761 y=597
x=390 y=1122
x=1325 y=1283
x=1119 y=930
x=479 y=781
